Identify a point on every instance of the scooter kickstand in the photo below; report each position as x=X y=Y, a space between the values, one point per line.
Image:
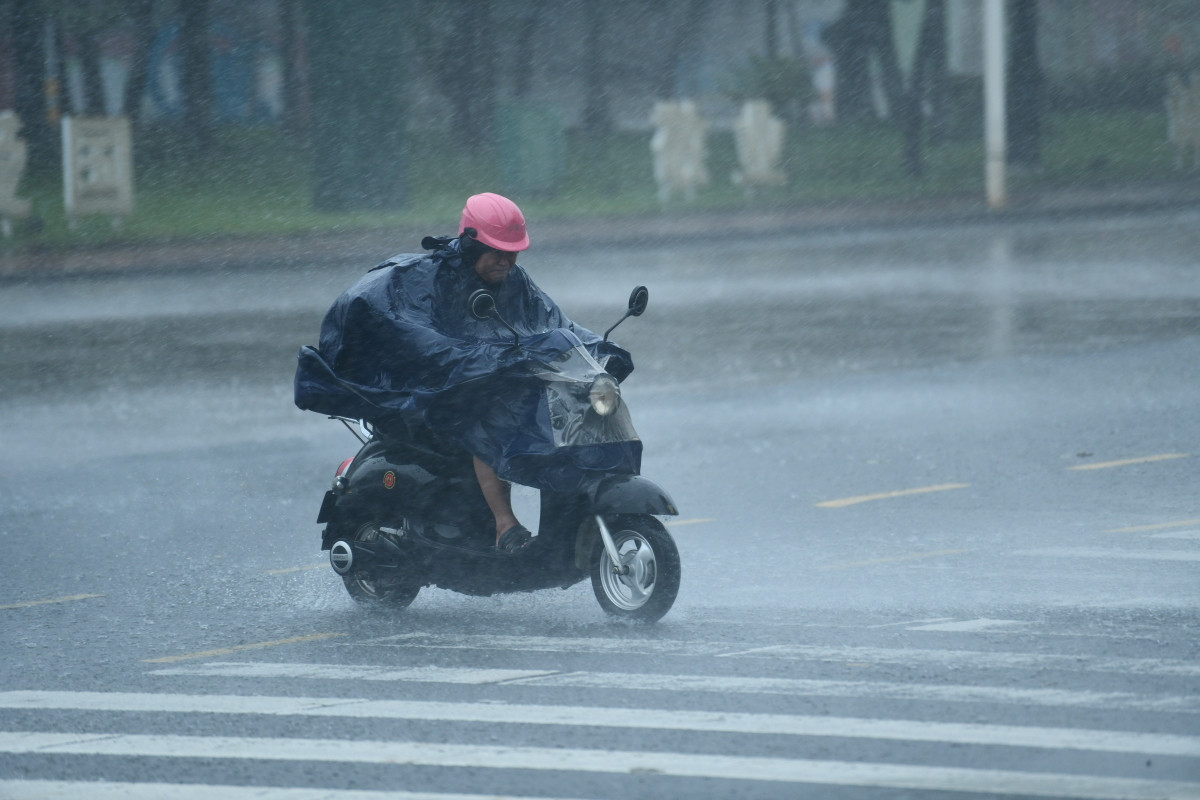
x=611 y=547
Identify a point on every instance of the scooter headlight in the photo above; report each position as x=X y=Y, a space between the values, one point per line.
x=604 y=395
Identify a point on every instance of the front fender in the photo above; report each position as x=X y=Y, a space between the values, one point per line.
x=631 y=494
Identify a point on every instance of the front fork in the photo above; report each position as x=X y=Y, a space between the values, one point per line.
x=611 y=547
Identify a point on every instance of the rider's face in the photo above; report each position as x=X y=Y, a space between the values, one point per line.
x=493 y=266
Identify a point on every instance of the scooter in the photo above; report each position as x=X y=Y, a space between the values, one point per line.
x=407 y=512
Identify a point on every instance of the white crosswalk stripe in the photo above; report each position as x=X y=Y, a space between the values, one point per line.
x=593 y=716
x=684 y=765
x=97 y=790
x=594 y=737
x=717 y=684
x=960 y=659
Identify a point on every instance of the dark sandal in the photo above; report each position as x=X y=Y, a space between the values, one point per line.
x=514 y=540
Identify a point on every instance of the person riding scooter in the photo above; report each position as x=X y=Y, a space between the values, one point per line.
x=402 y=339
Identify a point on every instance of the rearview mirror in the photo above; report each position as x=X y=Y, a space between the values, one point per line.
x=637 y=306
x=638 y=300
x=481 y=304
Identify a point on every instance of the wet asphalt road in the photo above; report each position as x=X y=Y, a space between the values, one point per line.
x=939 y=532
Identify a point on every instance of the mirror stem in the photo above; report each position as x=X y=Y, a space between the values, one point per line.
x=615 y=324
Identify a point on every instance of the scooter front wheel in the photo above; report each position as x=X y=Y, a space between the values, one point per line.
x=643 y=585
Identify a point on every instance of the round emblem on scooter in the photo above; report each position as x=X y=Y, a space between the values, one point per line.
x=389 y=479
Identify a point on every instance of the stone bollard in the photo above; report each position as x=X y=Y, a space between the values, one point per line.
x=759 y=137
x=12 y=165
x=97 y=167
x=678 y=146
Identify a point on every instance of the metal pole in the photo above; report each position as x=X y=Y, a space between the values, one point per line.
x=995 y=134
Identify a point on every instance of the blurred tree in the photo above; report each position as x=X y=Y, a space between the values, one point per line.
x=772 y=31
x=784 y=81
x=296 y=116
x=681 y=33
x=924 y=91
x=196 y=75
x=863 y=32
x=455 y=40
x=88 y=39
x=523 y=64
x=356 y=82
x=1025 y=85
x=597 y=112
x=141 y=16
x=84 y=24
x=27 y=21
x=935 y=70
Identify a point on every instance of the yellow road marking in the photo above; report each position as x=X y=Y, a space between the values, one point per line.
x=865 y=498
x=66 y=599
x=691 y=521
x=224 y=651
x=894 y=559
x=286 y=570
x=1183 y=523
x=1128 y=461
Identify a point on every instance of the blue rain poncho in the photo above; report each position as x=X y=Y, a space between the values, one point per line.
x=399 y=348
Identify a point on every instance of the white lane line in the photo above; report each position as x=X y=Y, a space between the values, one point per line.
x=942 y=693
x=971 y=625
x=1179 y=523
x=681 y=765
x=867 y=498
x=1129 y=461
x=958 y=659
x=237 y=648
x=907 y=622
x=68 y=599
x=602 y=717
x=1086 y=552
x=105 y=790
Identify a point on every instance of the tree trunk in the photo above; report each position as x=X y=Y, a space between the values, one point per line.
x=139 y=67
x=465 y=65
x=356 y=81
x=931 y=55
x=771 y=31
x=93 y=89
x=29 y=45
x=296 y=116
x=523 y=67
x=1024 y=88
x=196 y=79
x=680 y=36
x=597 y=116
x=930 y=50
x=864 y=29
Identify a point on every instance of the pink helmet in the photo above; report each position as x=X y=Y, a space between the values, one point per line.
x=497 y=222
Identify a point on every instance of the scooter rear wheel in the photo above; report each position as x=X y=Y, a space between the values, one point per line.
x=396 y=590
x=643 y=586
